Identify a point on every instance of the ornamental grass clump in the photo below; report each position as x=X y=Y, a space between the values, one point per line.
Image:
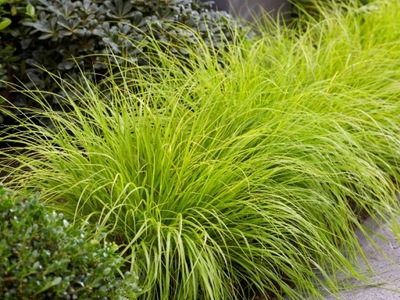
x=230 y=175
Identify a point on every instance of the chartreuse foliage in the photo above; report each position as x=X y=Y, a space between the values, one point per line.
x=227 y=177
x=41 y=257
x=312 y=8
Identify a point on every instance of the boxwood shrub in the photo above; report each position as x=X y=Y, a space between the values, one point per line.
x=43 y=257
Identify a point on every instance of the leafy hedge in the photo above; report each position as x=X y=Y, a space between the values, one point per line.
x=41 y=257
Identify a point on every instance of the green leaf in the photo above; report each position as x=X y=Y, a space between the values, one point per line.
x=30 y=10
x=56 y=281
x=4 y=23
x=14 y=10
x=65 y=223
x=107 y=271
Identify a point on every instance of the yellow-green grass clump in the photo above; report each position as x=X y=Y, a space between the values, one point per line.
x=227 y=175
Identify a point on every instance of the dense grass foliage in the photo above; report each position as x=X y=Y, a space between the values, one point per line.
x=228 y=177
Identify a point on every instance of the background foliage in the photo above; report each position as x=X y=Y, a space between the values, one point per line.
x=68 y=37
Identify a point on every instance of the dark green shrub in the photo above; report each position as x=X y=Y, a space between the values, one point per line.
x=12 y=12
x=42 y=258
x=68 y=37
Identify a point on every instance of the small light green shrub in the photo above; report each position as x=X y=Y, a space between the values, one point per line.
x=41 y=257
